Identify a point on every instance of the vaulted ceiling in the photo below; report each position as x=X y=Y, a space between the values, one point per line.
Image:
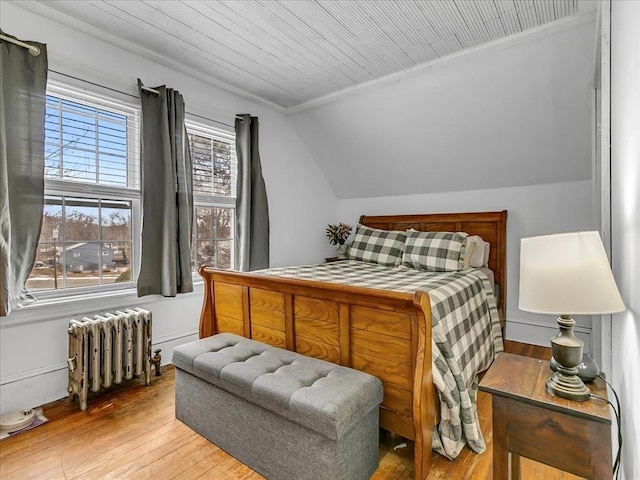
x=289 y=53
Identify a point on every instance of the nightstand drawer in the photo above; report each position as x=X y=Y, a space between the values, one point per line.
x=560 y=440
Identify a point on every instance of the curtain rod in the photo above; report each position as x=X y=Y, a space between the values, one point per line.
x=135 y=96
x=150 y=90
x=33 y=49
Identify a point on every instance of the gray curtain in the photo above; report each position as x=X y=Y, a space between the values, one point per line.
x=22 y=109
x=252 y=210
x=167 y=195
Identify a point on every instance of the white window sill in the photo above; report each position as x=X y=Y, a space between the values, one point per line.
x=84 y=304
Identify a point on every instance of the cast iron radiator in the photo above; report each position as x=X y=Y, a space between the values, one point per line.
x=108 y=349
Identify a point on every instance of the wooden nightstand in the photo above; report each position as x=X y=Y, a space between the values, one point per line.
x=529 y=422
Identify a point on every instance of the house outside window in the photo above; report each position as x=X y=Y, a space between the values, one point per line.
x=214 y=183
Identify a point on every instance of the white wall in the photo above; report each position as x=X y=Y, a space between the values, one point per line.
x=33 y=346
x=625 y=226
x=534 y=210
x=511 y=114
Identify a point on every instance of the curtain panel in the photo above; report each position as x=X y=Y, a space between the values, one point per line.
x=22 y=111
x=252 y=210
x=167 y=195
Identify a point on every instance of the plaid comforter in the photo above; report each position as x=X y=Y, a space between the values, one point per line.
x=466 y=334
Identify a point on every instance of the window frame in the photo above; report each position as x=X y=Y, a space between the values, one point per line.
x=213 y=201
x=130 y=193
x=110 y=292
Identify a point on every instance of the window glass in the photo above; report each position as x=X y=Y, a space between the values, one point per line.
x=85 y=144
x=83 y=242
x=214 y=176
x=91 y=167
x=213 y=239
x=214 y=162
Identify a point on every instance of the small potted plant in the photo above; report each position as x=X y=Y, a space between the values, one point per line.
x=338 y=235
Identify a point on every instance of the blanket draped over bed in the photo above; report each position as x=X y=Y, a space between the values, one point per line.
x=466 y=334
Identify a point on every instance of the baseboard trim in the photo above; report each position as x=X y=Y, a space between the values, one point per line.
x=37 y=372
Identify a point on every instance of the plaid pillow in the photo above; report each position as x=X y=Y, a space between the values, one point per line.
x=434 y=251
x=377 y=246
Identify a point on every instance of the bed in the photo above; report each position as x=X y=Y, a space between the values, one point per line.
x=391 y=334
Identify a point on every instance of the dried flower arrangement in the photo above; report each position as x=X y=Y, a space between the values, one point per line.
x=338 y=234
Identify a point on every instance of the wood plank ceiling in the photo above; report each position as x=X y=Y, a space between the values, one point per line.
x=291 y=52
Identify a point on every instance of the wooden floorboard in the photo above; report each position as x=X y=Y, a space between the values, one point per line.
x=130 y=432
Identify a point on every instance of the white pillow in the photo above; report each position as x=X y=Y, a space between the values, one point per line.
x=487 y=247
x=476 y=253
x=468 y=253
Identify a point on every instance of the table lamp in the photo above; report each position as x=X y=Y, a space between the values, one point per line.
x=567 y=274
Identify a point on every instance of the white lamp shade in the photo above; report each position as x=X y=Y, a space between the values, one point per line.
x=567 y=274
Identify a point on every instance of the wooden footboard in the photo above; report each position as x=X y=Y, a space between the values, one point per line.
x=386 y=334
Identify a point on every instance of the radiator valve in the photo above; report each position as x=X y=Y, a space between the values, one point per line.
x=156 y=361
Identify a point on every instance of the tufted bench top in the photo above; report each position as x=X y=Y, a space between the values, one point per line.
x=322 y=396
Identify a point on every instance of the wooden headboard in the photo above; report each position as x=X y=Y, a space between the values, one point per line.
x=491 y=226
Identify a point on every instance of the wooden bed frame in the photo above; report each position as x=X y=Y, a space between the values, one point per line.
x=386 y=334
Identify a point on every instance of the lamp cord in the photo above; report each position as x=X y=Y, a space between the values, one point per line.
x=618 y=413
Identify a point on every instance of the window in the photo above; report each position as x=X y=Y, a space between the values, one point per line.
x=214 y=182
x=92 y=193
x=91 y=220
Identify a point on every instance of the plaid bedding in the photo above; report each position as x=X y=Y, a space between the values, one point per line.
x=465 y=331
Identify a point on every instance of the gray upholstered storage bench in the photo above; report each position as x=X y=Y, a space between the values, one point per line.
x=285 y=415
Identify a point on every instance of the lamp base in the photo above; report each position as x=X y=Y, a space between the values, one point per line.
x=566 y=384
x=567 y=352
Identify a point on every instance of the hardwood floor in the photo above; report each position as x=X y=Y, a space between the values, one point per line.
x=131 y=433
